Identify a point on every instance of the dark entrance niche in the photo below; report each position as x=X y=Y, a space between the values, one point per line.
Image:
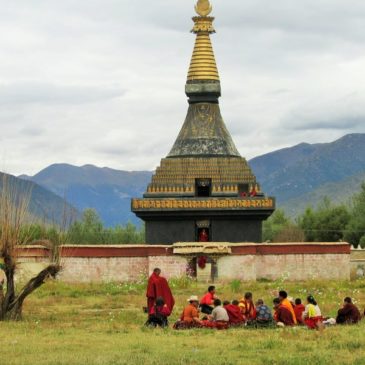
x=203 y=187
x=243 y=190
x=192 y=267
x=203 y=233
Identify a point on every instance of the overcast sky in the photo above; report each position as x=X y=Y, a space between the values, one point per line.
x=102 y=81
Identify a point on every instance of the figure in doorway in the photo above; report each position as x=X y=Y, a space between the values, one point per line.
x=203 y=235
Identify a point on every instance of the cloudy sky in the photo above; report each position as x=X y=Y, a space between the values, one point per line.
x=102 y=81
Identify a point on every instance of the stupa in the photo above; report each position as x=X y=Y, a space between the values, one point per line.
x=204 y=190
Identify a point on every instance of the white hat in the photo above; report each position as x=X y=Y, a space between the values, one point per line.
x=193 y=298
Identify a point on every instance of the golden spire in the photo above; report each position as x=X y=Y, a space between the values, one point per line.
x=203 y=65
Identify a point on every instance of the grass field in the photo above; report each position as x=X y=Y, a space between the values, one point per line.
x=103 y=324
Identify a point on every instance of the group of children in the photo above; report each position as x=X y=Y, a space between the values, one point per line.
x=210 y=312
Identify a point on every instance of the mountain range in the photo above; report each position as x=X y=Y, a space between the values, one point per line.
x=107 y=190
x=297 y=176
x=44 y=205
x=304 y=174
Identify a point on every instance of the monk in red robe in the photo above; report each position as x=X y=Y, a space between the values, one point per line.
x=285 y=302
x=282 y=315
x=159 y=287
x=299 y=308
x=248 y=307
x=234 y=313
x=349 y=313
x=203 y=236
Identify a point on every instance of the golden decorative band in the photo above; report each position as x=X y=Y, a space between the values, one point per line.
x=265 y=203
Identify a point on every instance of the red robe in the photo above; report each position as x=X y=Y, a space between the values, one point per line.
x=248 y=309
x=234 y=313
x=284 y=315
x=298 y=310
x=203 y=236
x=159 y=287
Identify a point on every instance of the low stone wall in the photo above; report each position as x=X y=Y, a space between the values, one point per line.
x=247 y=262
x=357 y=266
x=30 y=261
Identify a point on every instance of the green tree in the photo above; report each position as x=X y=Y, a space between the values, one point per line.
x=355 y=229
x=326 y=224
x=274 y=225
x=362 y=242
x=89 y=230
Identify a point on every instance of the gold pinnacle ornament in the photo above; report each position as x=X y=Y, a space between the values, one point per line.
x=203 y=7
x=203 y=65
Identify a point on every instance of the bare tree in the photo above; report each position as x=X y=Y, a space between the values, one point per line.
x=14 y=203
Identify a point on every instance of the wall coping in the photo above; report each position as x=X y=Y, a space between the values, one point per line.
x=32 y=251
x=237 y=249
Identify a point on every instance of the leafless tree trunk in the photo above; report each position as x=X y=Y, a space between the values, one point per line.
x=13 y=214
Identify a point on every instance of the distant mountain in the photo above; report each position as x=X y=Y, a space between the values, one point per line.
x=296 y=176
x=340 y=192
x=306 y=173
x=107 y=190
x=44 y=205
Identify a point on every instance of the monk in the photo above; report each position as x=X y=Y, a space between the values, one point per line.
x=349 y=313
x=2 y=280
x=284 y=302
x=282 y=315
x=207 y=301
x=190 y=315
x=203 y=236
x=159 y=287
x=219 y=318
x=248 y=307
x=234 y=313
x=299 y=308
x=263 y=314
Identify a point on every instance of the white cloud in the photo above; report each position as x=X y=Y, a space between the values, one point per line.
x=102 y=82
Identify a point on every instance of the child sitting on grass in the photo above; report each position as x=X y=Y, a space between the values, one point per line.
x=298 y=310
x=158 y=314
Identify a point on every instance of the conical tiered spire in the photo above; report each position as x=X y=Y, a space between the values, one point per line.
x=203 y=182
x=203 y=66
x=204 y=132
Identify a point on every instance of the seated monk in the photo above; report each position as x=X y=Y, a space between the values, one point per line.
x=263 y=314
x=207 y=302
x=219 y=318
x=283 y=316
x=247 y=307
x=234 y=313
x=285 y=302
x=2 y=280
x=158 y=314
x=190 y=315
x=298 y=310
x=349 y=313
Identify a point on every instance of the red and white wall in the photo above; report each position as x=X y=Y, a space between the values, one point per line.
x=299 y=261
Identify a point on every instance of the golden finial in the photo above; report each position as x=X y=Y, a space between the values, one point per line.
x=203 y=7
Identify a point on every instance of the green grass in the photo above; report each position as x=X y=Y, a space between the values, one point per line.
x=103 y=325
